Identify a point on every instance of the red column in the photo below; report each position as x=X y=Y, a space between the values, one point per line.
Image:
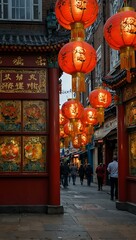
x=54 y=150
x=122 y=154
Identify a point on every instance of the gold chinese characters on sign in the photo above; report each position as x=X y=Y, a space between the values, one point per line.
x=23 y=81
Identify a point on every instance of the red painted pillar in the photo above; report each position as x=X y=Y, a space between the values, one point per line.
x=54 y=150
x=122 y=154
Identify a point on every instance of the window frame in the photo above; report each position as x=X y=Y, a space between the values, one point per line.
x=9 y=5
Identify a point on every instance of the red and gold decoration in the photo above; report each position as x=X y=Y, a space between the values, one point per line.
x=120 y=34
x=100 y=98
x=70 y=12
x=64 y=139
x=89 y=116
x=72 y=109
x=77 y=57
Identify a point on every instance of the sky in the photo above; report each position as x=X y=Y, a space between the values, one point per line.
x=66 y=88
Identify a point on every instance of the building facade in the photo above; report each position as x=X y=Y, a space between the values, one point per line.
x=29 y=106
x=117 y=133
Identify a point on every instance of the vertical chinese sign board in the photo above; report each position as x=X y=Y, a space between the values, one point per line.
x=23 y=131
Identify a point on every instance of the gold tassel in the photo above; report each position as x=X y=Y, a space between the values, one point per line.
x=127 y=58
x=66 y=142
x=78 y=82
x=77 y=32
x=100 y=115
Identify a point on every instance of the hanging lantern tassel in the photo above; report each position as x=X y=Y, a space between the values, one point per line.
x=127 y=60
x=78 y=82
x=66 y=142
x=77 y=31
x=61 y=144
x=100 y=115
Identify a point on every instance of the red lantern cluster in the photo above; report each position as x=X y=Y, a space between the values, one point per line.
x=77 y=57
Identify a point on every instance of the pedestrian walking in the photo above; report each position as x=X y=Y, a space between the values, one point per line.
x=81 y=173
x=65 y=174
x=89 y=173
x=61 y=173
x=73 y=173
x=113 y=170
x=100 y=175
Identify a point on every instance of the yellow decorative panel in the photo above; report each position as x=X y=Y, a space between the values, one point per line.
x=34 y=159
x=34 y=116
x=131 y=114
x=132 y=153
x=10 y=154
x=10 y=115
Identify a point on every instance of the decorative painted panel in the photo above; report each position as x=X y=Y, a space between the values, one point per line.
x=34 y=116
x=132 y=153
x=10 y=154
x=10 y=116
x=34 y=153
x=131 y=114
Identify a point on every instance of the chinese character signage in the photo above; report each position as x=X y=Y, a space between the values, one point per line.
x=23 y=81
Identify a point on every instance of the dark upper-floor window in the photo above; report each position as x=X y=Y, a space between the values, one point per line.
x=26 y=10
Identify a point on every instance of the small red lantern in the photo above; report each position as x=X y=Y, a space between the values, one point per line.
x=100 y=98
x=76 y=142
x=120 y=34
x=68 y=129
x=72 y=109
x=69 y=12
x=89 y=116
x=62 y=131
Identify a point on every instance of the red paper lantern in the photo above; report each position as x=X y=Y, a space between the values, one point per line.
x=76 y=142
x=69 y=12
x=89 y=116
x=77 y=56
x=100 y=98
x=62 y=119
x=68 y=129
x=62 y=131
x=72 y=109
x=120 y=34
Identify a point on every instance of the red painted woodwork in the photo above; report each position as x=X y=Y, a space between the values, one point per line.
x=122 y=154
x=131 y=186
x=28 y=190
x=68 y=12
x=54 y=144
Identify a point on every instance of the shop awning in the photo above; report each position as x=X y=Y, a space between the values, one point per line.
x=102 y=134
